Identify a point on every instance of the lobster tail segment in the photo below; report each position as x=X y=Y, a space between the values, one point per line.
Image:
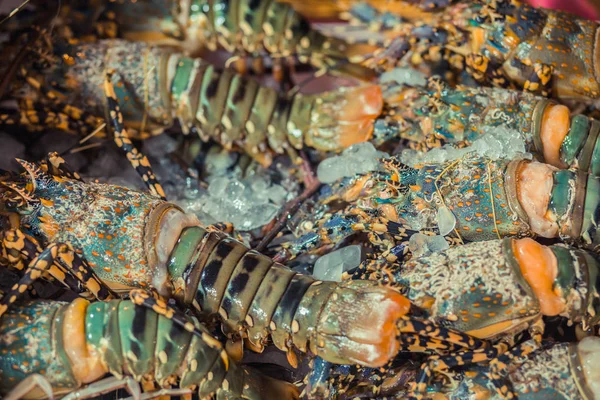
x=352 y=328
x=344 y=117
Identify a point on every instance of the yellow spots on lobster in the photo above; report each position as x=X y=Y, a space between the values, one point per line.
x=46 y=202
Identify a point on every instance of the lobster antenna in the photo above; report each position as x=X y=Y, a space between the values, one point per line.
x=55 y=16
x=15 y=11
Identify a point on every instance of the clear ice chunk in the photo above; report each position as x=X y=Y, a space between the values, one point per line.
x=446 y=220
x=248 y=203
x=330 y=267
x=217 y=187
x=359 y=158
x=497 y=142
x=422 y=245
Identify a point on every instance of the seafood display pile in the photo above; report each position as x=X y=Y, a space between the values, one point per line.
x=225 y=199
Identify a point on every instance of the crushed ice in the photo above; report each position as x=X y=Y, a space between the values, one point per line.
x=247 y=203
x=356 y=159
x=496 y=143
x=422 y=245
x=404 y=76
x=330 y=267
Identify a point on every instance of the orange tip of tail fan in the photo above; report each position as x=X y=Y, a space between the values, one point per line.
x=359 y=324
x=345 y=117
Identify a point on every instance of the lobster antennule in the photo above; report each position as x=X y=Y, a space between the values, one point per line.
x=368 y=338
x=344 y=117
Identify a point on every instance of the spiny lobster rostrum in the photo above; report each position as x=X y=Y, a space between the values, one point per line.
x=155 y=85
x=53 y=348
x=504 y=43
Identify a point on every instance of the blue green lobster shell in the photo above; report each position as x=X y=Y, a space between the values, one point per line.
x=560 y=371
x=504 y=43
x=73 y=344
x=477 y=198
x=459 y=116
x=495 y=297
x=134 y=240
x=156 y=85
x=241 y=27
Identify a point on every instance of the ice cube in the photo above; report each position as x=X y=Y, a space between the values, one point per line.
x=422 y=245
x=446 y=220
x=330 y=267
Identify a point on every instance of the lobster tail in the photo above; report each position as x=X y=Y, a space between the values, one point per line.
x=257 y=298
x=343 y=117
x=350 y=328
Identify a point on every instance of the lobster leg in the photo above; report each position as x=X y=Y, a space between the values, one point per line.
x=428 y=329
x=441 y=364
x=57 y=166
x=28 y=385
x=20 y=249
x=33 y=272
x=337 y=228
x=138 y=160
x=478 y=67
x=142 y=298
x=499 y=365
x=80 y=269
x=44 y=262
x=37 y=117
x=107 y=385
x=540 y=81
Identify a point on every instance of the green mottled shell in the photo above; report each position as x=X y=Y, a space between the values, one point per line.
x=110 y=230
x=253 y=295
x=131 y=340
x=480 y=193
x=140 y=84
x=491 y=289
x=575 y=201
x=547 y=375
x=31 y=343
x=466 y=113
